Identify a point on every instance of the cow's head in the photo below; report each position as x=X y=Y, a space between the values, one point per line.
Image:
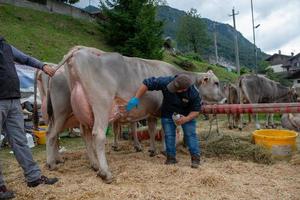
x=209 y=87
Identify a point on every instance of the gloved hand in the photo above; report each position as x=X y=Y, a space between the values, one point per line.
x=133 y=102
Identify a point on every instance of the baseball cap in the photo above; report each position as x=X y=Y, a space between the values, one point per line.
x=182 y=81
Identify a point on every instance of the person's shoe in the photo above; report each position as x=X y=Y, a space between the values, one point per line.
x=42 y=180
x=171 y=160
x=6 y=194
x=195 y=161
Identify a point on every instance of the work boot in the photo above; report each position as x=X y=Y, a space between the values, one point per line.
x=195 y=161
x=170 y=160
x=42 y=180
x=5 y=194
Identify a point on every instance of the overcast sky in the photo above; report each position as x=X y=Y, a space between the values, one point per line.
x=279 y=19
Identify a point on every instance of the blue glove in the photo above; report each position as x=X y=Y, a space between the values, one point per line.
x=133 y=102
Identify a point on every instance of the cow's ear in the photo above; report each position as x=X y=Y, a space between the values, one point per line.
x=202 y=81
x=210 y=72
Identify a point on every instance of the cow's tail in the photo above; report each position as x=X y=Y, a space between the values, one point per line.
x=35 y=106
x=49 y=107
x=240 y=91
x=68 y=56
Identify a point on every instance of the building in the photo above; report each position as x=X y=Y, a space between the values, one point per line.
x=278 y=61
x=93 y=11
x=287 y=66
x=293 y=69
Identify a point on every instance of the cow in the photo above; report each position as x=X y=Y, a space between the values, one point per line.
x=101 y=84
x=61 y=117
x=259 y=89
x=291 y=121
x=231 y=94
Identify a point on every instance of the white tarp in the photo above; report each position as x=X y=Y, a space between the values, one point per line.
x=26 y=76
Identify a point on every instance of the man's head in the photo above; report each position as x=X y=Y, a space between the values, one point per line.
x=180 y=84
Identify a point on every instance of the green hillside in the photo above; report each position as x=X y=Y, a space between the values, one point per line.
x=49 y=36
x=46 y=36
x=172 y=16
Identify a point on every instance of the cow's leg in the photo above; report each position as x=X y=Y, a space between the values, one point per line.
x=52 y=146
x=272 y=120
x=236 y=120
x=88 y=139
x=267 y=123
x=116 y=131
x=152 y=122
x=99 y=138
x=136 y=143
x=229 y=121
x=257 y=125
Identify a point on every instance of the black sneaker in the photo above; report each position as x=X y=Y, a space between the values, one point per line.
x=195 y=161
x=171 y=160
x=5 y=194
x=42 y=180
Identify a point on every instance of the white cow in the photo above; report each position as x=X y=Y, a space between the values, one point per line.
x=57 y=99
x=101 y=84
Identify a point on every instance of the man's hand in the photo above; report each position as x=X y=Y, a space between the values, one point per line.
x=133 y=102
x=48 y=70
x=182 y=120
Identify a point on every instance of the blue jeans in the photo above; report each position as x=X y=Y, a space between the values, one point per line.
x=189 y=130
x=12 y=122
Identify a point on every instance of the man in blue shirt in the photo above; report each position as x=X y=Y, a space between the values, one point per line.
x=180 y=97
x=11 y=117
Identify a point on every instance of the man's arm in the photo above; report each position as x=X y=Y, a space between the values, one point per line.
x=134 y=101
x=192 y=115
x=148 y=84
x=195 y=111
x=22 y=58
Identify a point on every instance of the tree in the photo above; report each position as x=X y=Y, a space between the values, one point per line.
x=130 y=27
x=191 y=35
x=262 y=67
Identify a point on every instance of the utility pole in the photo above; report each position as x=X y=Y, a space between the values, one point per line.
x=216 y=45
x=237 y=60
x=253 y=29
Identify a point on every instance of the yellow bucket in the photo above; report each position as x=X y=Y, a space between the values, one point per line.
x=41 y=134
x=282 y=143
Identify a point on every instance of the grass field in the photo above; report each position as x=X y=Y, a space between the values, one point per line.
x=46 y=36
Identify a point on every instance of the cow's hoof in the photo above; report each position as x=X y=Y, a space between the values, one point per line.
x=51 y=167
x=106 y=177
x=59 y=160
x=95 y=167
x=230 y=127
x=240 y=129
x=152 y=153
x=115 y=148
x=138 y=149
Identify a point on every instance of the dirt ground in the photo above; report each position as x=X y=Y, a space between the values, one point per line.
x=138 y=176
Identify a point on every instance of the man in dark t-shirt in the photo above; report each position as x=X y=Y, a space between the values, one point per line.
x=181 y=98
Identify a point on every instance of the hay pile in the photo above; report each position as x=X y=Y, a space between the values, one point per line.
x=238 y=147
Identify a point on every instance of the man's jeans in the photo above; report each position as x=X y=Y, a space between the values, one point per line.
x=12 y=122
x=189 y=130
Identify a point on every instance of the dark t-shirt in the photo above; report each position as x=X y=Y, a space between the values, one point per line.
x=181 y=103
